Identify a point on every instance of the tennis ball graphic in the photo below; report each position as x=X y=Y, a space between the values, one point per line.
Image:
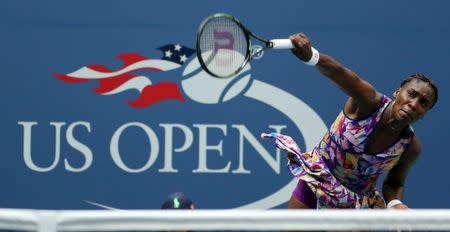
x=204 y=88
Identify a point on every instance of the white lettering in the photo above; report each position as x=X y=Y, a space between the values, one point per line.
x=206 y=133
x=245 y=133
x=87 y=153
x=168 y=146
x=203 y=148
x=114 y=147
x=27 y=126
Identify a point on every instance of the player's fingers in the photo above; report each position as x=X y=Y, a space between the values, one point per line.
x=298 y=41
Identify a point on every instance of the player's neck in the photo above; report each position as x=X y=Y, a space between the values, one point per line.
x=390 y=120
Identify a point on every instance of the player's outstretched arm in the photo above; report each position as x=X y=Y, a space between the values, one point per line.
x=364 y=98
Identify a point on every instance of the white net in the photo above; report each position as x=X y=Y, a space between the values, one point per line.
x=224 y=220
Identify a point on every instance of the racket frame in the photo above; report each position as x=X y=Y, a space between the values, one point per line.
x=247 y=34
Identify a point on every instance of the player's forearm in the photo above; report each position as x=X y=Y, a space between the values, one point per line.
x=345 y=78
x=392 y=192
x=330 y=68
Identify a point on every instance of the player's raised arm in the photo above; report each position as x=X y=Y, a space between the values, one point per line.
x=364 y=98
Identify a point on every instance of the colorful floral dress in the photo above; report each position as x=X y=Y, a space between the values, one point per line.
x=338 y=170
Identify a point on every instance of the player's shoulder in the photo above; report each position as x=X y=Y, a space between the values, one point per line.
x=358 y=110
x=415 y=144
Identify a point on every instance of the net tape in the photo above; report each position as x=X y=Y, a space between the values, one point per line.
x=200 y=220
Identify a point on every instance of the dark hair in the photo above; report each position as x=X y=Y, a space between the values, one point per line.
x=422 y=77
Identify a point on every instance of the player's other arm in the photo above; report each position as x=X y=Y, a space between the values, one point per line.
x=393 y=185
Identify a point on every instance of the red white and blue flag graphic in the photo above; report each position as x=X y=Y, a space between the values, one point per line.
x=123 y=79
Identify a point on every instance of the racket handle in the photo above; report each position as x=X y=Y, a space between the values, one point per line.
x=281 y=44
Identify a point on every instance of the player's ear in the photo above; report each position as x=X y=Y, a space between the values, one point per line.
x=395 y=93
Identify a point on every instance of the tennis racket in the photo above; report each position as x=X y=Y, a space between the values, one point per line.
x=224 y=46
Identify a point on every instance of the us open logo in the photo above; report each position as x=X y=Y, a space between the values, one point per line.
x=198 y=86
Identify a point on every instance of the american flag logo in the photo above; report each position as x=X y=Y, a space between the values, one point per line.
x=123 y=79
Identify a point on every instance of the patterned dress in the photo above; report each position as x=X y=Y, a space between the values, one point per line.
x=338 y=170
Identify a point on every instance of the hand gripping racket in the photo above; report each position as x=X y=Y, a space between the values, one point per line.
x=224 y=46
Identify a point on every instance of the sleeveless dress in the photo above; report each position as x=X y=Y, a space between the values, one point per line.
x=338 y=170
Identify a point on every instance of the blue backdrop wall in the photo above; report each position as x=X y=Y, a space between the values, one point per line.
x=92 y=112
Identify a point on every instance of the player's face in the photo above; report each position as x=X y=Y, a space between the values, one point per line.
x=412 y=101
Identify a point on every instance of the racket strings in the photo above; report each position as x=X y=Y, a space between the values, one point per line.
x=223 y=46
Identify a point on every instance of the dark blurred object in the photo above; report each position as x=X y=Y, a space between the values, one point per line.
x=178 y=200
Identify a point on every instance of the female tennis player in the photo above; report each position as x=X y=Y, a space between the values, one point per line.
x=372 y=135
